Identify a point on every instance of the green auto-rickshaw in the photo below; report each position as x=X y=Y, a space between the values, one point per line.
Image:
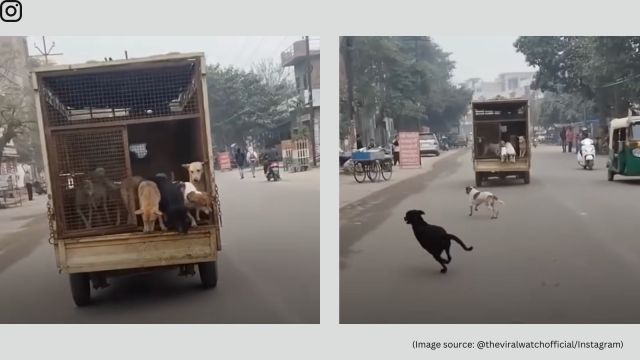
x=624 y=147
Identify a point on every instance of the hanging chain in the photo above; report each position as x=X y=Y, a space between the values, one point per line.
x=217 y=198
x=52 y=218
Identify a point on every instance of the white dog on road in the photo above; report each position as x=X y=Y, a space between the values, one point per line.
x=477 y=198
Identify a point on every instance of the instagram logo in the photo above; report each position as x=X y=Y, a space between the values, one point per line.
x=11 y=11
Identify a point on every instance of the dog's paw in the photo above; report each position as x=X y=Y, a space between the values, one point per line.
x=443 y=271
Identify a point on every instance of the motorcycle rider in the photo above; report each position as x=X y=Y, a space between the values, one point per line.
x=269 y=156
x=584 y=135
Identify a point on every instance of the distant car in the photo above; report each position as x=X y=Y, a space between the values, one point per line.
x=429 y=144
x=461 y=140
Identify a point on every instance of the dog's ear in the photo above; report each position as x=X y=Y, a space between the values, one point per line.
x=186 y=166
x=420 y=212
x=205 y=162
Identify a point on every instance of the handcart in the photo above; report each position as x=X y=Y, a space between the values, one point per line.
x=371 y=164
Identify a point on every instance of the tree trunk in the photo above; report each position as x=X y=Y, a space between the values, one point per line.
x=9 y=133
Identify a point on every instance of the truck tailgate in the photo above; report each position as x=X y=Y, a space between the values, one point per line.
x=136 y=250
x=490 y=165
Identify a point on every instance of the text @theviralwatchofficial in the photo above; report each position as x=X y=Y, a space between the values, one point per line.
x=517 y=344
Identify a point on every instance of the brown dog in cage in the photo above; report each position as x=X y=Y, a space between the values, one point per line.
x=149 y=197
x=103 y=187
x=196 y=200
x=84 y=199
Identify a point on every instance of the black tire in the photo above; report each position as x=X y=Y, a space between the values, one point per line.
x=478 y=180
x=438 y=153
x=526 y=177
x=373 y=170
x=359 y=172
x=610 y=175
x=387 y=169
x=208 y=274
x=80 y=288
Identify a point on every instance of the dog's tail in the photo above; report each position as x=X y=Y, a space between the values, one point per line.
x=495 y=198
x=457 y=239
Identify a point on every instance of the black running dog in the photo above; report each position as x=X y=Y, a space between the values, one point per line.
x=432 y=238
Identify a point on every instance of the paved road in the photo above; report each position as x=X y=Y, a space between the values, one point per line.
x=566 y=249
x=269 y=268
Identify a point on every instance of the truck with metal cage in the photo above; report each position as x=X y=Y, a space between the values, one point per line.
x=496 y=122
x=123 y=118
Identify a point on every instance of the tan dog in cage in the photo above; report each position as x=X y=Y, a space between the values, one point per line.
x=149 y=197
x=129 y=194
x=196 y=174
x=84 y=199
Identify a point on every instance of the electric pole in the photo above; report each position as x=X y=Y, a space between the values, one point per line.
x=311 y=109
x=46 y=52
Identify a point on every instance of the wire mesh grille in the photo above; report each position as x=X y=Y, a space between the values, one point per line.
x=93 y=96
x=90 y=165
x=93 y=114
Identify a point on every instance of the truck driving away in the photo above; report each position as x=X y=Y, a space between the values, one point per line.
x=128 y=156
x=501 y=133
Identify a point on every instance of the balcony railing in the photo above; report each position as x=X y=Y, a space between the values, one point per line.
x=298 y=50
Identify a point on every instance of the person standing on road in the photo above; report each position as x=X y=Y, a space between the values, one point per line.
x=569 y=136
x=563 y=138
x=578 y=139
x=28 y=183
x=240 y=159
x=359 y=142
x=252 y=160
x=396 y=150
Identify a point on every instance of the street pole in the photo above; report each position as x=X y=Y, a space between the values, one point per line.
x=311 y=110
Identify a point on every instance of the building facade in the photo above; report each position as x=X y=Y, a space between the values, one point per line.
x=296 y=56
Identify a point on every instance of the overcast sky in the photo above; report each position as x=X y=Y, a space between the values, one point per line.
x=482 y=56
x=239 y=51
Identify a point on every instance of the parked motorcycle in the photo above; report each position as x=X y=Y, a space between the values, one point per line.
x=40 y=188
x=274 y=171
x=587 y=154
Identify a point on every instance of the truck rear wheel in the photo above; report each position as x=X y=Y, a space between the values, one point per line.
x=80 y=288
x=208 y=274
x=526 y=177
x=478 y=180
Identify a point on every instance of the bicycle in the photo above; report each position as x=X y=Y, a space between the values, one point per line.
x=372 y=169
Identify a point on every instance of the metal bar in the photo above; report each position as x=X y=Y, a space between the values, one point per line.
x=144 y=62
x=131 y=218
x=97 y=231
x=118 y=123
